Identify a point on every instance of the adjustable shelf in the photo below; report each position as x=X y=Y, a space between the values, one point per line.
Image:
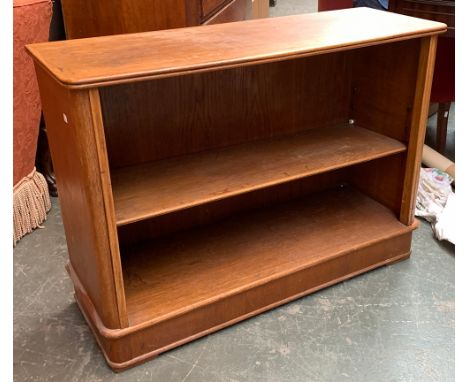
x=156 y=188
x=208 y=174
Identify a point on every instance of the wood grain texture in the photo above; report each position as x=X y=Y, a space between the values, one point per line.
x=381 y=179
x=217 y=211
x=128 y=347
x=95 y=106
x=81 y=185
x=87 y=18
x=157 y=188
x=90 y=18
x=181 y=273
x=422 y=96
x=183 y=50
x=181 y=115
x=383 y=82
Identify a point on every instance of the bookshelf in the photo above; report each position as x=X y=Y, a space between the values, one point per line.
x=208 y=174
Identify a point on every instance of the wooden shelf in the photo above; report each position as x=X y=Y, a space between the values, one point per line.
x=157 y=188
x=195 y=268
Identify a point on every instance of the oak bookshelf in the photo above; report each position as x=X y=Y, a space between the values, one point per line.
x=208 y=174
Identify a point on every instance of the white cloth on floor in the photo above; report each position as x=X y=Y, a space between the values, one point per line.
x=444 y=228
x=435 y=202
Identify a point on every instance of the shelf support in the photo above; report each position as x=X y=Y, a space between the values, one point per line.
x=418 y=127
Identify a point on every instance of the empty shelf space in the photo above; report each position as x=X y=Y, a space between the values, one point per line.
x=151 y=189
x=193 y=268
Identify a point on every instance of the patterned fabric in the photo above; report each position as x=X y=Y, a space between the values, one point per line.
x=31 y=20
x=436 y=202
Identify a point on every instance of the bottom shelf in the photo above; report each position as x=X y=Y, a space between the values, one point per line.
x=196 y=268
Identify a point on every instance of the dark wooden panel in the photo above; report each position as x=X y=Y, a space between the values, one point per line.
x=90 y=18
x=383 y=82
x=381 y=179
x=147 y=121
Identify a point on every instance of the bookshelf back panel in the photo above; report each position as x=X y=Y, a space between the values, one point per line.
x=383 y=87
x=158 y=119
x=381 y=179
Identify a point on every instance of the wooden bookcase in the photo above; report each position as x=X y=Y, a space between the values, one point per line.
x=209 y=174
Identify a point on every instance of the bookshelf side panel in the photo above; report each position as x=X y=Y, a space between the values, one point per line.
x=79 y=171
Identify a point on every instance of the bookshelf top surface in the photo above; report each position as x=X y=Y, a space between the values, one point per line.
x=100 y=61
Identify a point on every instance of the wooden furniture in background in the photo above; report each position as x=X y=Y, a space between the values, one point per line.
x=209 y=174
x=332 y=5
x=89 y=18
x=443 y=86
